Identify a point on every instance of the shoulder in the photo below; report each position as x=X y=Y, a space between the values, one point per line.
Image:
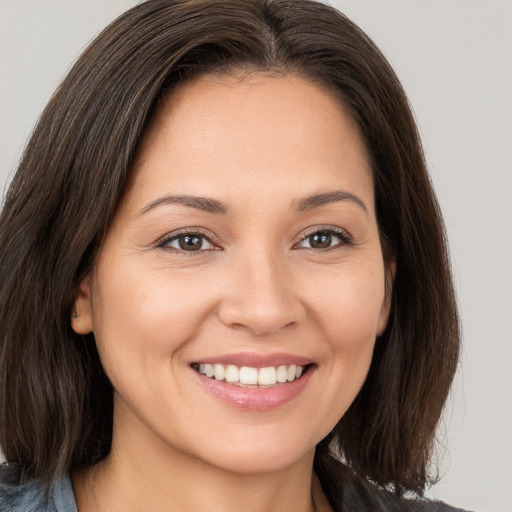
x=381 y=501
x=354 y=494
x=17 y=495
x=429 y=506
x=390 y=503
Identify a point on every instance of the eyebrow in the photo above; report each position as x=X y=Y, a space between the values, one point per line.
x=209 y=205
x=205 y=204
x=325 y=198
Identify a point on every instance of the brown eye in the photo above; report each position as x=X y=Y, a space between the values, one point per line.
x=320 y=240
x=325 y=239
x=188 y=242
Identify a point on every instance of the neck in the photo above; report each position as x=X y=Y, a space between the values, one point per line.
x=134 y=478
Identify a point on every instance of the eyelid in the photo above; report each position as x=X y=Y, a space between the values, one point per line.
x=163 y=242
x=343 y=235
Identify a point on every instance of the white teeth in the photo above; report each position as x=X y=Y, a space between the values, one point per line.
x=267 y=376
x=232 y=374
x=208 y=370
x=249 y=376
x=282 y=374
x=220 y=372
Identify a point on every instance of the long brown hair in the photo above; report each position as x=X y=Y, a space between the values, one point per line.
x=55 y=400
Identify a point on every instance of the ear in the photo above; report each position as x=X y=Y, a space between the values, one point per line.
x=81 y=317
x=386 y=304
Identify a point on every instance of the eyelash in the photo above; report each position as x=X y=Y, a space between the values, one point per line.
x=342 y=235
x=164 y=243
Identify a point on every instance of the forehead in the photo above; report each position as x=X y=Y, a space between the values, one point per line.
x=279 y=130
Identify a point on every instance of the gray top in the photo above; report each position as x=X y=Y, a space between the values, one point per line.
x=31 y=496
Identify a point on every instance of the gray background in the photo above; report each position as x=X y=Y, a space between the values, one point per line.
x=455 y=60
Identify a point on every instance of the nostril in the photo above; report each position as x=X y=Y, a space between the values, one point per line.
x=260 y=320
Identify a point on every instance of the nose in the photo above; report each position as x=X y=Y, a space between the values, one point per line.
x=260 y=296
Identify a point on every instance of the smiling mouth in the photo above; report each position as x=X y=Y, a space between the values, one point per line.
x=247 y=376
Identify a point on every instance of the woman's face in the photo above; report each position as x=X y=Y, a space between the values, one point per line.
x=244 y=252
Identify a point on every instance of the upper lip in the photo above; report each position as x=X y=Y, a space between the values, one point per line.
x=255 y=360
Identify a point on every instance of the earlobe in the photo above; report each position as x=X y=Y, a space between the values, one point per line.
x=81 y=316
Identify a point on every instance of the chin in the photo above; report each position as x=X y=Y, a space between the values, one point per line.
x=259 y=451
x=245 y=463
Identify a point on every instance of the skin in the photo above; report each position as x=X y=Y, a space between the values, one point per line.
x=260 y=145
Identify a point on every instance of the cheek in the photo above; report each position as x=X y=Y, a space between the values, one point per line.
x=351 y=306
x=141 y=315
x=349 y=313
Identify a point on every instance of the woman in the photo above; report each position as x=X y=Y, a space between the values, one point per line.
x=224 y=276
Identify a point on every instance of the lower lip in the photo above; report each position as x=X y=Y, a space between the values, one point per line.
x=256 y=399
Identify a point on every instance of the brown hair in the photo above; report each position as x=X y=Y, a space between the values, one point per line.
x=55 y=400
